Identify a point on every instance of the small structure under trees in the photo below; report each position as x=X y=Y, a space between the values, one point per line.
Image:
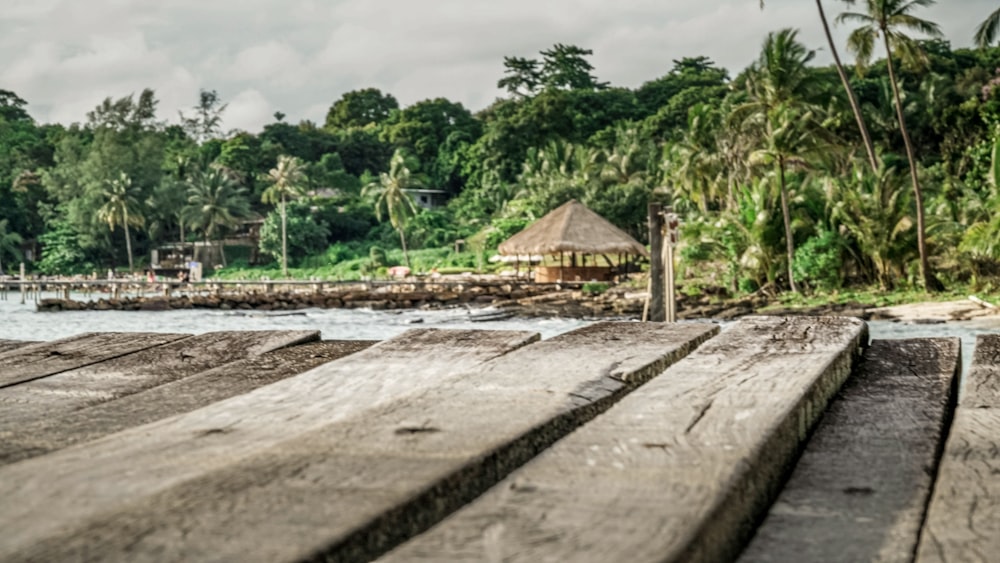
x=572 y=229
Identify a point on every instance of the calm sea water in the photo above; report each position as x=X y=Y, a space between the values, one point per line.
x=22 y=322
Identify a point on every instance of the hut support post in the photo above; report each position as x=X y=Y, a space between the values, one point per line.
x=657 y=311
x=669 y=293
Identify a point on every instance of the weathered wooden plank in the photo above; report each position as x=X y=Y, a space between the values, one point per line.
x=28 y=363
x=678 y=470
x=52 y=495
x=184 y=395
x=982 y=385
x=8 y=345
x=963 y=518
x=72 y=390
x=860 y=489
x=353 y=488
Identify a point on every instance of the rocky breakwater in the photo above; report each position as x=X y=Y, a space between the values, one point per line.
x=376 y=297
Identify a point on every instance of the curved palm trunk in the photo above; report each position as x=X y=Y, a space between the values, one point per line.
x=128 y=239
x=786 y=215
x=402 y=241
x=865 y=136
x=222 y=252
x=930 y=284
x=284 y=238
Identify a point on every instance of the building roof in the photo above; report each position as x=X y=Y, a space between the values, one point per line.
x=572 y=227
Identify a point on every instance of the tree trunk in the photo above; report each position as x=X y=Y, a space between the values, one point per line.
x=787 y=218
x=284 y=239
x=406 y=255
x=930 y=283
x=222 y=253
x=865 y=136
x=128 y=239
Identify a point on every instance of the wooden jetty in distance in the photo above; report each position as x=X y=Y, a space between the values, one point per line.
x=778 y=439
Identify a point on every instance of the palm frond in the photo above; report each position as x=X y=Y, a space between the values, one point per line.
x=986 y=33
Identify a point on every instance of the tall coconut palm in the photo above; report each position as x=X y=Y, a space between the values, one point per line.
x=10 y=243
x=986 y=33
x=121 y=207
x=288 y=180
x=885 y=20
x=391 y=199
x=780 y=90
x=216 y=202
x=866 y=137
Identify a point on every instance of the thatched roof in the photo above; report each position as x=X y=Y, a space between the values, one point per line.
x=572 y=228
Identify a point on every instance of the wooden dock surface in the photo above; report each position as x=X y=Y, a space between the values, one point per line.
x=778 y=439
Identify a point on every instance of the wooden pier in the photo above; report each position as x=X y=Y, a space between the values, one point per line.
x=778 y=439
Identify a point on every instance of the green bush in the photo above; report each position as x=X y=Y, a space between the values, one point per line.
x=595 y=288
x=818 y=260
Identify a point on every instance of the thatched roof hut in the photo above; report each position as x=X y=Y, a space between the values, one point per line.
x=572 y=227
x=575 y=230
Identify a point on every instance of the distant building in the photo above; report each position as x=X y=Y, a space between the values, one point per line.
x=429 y=199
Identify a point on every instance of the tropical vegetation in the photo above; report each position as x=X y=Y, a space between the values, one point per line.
x=788 y=175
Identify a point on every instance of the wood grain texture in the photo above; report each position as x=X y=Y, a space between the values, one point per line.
x=963 y=518
x=69 y=391
x=982 y=386
x=8 y=345
x=349 y=490
x=50 y=496
x=183 y=395
x=36 y=361
x=678 y=470
x=860 y=490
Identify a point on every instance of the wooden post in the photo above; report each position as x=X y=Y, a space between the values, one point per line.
x=657 y=313
x=668 y=246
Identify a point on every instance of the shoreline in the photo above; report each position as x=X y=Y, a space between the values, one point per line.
x=525 y=301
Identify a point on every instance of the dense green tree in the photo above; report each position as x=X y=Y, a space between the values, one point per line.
x=566 y=67
x=523 y=77
x=425 y=128
x=10 y=244
x=360 y=108
x=694 y=74
x=242 y=156
x=287 y=180
x=885 y=20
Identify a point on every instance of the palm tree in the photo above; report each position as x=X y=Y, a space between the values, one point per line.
x=780 y=90
x=121 y=207
x=10 y=243
x=874 y=212
x=392 y=201
x=852 y=98
x=287 y=181
x=215 y=203
x=884 y=19
x=986 y=33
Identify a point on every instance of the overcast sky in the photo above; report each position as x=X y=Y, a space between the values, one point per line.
x=299 y=56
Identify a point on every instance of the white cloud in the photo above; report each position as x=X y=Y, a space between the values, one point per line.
x=301 y=55
x=248 y=110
